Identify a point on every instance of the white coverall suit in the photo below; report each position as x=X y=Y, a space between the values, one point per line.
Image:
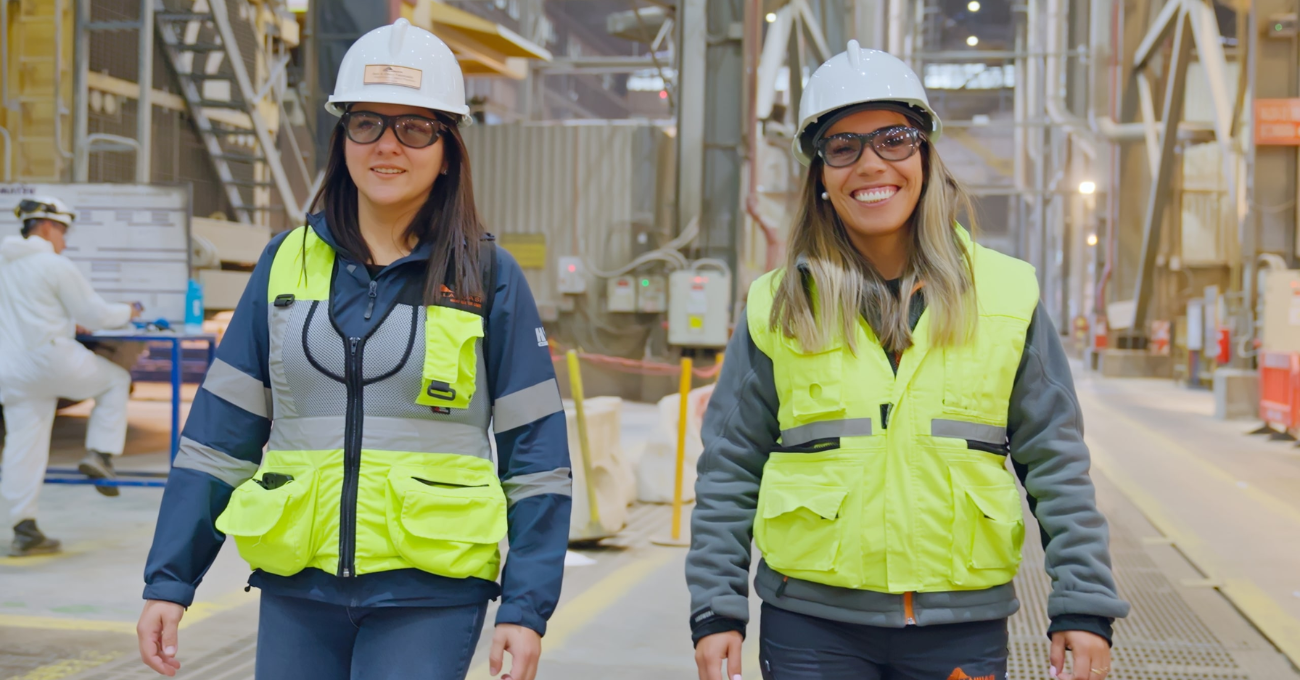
x=43 y=297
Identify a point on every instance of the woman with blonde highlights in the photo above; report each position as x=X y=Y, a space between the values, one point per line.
x=860 y=431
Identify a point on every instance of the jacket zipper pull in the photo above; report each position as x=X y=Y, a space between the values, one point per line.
x=352 y=346
x=374 y=292
x=780 y=590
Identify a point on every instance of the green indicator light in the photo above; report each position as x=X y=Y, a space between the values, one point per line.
x=645 y=283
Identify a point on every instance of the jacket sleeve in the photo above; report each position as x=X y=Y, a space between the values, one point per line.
x=1045 y=429
x=221 y=447
x=83 y=304
x=532 y=448
x=740 y=429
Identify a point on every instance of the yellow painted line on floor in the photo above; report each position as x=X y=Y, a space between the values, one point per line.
x=67 y=667
x=56 y=623
x=1277 y=625
x=581 y=610
x=197 y=612
x=1273 y=503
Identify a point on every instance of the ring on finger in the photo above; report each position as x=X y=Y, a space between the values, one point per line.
x=1101 y=671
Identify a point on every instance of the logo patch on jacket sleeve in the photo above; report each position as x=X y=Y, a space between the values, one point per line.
x=541 y=337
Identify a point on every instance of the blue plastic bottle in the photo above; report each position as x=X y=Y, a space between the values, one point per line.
x=194 y=308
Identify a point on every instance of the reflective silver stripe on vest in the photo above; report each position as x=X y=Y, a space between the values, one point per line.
x=196 y=456
x=976 y=432
x=325 y=433
x=851 y=427
x=239 y=388
x=558 y=481
x=526 y=406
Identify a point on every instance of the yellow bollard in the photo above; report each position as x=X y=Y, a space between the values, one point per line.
x=575 y=386
x=675 y=538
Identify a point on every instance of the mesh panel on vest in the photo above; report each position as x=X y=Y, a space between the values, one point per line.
x=315 y=394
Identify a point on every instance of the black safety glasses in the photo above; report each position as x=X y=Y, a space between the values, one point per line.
x=896 y=143
x=416 y=132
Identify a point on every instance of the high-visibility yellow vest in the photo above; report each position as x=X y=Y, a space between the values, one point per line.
x=385 y=438
x=897 y=483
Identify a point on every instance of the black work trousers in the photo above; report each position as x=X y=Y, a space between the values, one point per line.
x=798 y=647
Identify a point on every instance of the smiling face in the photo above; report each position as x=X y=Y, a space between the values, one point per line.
x=388 y=173
x=873 y=197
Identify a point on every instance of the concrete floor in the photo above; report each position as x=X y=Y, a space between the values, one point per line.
x=1204 y=523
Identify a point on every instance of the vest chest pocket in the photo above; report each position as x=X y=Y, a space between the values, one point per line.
x=798 y=525
x=450 y=359
x=446 y=522
x=273 y=527
x=988 y=528
x=815 y=381
x=979 y=374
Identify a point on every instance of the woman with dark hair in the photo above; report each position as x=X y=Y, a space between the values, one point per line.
x=341 y=436
x=861 y=431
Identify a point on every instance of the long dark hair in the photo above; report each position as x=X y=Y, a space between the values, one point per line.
x=448 y=220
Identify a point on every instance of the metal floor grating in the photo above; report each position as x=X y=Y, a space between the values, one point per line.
x=1162 y=637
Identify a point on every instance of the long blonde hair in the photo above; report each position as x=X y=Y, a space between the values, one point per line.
x=822 y=262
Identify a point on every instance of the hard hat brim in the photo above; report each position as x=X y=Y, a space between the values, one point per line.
x=338 y=107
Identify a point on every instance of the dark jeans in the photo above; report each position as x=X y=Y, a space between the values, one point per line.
x=299 y=639
x=798 y=647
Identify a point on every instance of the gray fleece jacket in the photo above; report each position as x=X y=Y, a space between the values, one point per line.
x=1045 y=432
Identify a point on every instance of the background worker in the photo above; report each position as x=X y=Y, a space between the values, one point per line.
x=369 y=353
x=43 y=298
x=862 y=423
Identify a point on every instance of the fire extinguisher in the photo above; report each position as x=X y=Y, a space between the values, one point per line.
x=1099 y=337
x=1224 y=353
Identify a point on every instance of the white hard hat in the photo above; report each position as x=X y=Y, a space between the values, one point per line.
x=858 y=76
x=401 y=64
x=45 y=208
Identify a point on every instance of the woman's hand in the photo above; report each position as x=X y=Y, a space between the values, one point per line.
x=711 y=651
x=157 y=633
x=1091 y=655
x=525 y=647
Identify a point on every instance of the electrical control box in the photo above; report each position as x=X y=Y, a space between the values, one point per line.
x=698 y=308
x=620 y=294
x=572 y=277
x=652 y=295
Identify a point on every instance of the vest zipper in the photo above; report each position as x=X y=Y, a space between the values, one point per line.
x=374 y=292
x=351 y=459
x=909 y=615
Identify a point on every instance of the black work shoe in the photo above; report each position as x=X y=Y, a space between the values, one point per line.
x=28 y=540
x=98 y=465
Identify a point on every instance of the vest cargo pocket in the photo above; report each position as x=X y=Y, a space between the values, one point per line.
x=273 y=527
x=450 y=360
x=815 y=382
x=988 y=533
x=797 y=526
x=979 y=374
x=446 y=525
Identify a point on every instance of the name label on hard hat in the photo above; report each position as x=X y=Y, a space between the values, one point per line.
x=388 y=74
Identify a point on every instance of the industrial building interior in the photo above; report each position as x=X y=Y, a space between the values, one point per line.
x=634 y=157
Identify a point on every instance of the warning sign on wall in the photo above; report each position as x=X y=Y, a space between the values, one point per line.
x=1277 y=122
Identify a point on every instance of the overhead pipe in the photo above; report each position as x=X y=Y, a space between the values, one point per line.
x=1054 y=90
x=753 y=48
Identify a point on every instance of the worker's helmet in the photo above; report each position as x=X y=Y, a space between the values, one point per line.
x=401 y=64
x=44 y=208
x=858 y=76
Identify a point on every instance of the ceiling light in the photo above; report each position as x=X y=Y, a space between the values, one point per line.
x=1086 y=188
x=972 y=41
x=974 y=6
x=771 y=16
x=1092 y=239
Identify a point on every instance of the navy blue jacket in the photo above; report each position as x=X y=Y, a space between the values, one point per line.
x=186 y=541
